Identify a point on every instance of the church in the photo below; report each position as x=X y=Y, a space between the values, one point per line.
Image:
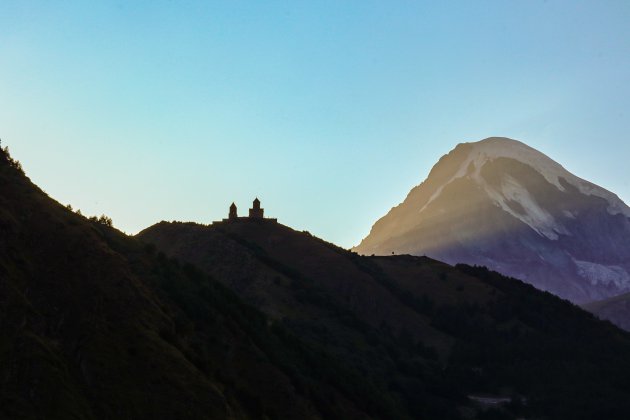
x=256 y=214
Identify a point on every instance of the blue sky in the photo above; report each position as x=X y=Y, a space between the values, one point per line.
x=329 y=111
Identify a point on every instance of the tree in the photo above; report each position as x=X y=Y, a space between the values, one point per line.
x=105 y=220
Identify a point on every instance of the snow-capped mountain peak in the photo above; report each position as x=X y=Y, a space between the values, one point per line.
x=503 y=204
x=492 y=148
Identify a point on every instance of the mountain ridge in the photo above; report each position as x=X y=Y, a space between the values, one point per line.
x=486 y=202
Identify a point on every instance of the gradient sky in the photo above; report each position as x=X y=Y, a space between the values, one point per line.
x=329 y=111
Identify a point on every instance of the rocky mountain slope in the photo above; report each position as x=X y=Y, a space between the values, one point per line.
x=504 y=205
x=424 y=334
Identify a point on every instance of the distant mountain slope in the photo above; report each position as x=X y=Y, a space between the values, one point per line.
x=502 y=204
x=615 y=309
x=423 y=333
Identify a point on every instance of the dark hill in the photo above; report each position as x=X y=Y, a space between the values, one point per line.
x=425 y=333
x=96 y=325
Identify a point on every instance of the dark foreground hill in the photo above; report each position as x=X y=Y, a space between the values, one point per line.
x=97 y=325
x=423 y=334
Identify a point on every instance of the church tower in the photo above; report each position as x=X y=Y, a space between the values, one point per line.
x=256 y=212
x=233 y=215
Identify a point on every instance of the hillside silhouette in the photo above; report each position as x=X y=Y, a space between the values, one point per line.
x=425 y=333
x=258 y=321
x=97 y=325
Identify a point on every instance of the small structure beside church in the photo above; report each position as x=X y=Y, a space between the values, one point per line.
x=232 y=215
x=256 y=214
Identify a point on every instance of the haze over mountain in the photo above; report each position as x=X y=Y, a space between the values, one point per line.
x=504 y=205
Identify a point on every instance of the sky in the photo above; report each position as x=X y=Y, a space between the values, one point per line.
x=328 y=111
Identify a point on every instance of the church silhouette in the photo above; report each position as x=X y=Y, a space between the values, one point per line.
x=256 y=214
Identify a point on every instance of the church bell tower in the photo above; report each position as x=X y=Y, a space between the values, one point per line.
x=233 y=215
x=256 y=212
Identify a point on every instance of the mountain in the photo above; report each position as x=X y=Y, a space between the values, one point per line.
x=615 y=309
x=253 y=320
x=501 y=204
x=428 y=337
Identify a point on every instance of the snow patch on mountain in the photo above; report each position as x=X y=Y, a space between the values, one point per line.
x=517 y=201
x=435 y=195
x=603 y=274
x=498 y=147
x=512 y=192
x=569 y=214
x=527 y=210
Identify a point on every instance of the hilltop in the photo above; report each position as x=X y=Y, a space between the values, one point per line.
x=424 y=333
x=97 y=325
